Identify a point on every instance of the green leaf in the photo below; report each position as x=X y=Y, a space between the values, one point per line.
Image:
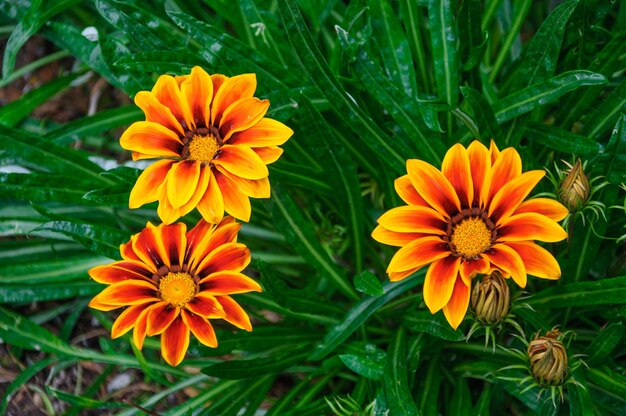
x=343 y=104
x=462 y=398
x=20 y=293
x=614 y=156
x=435 y=325
x=240 y=369
x=84 y=402
x=19 y=381
x=607 y=113
x=561 y=140
x=360 y=313
x=474 y=43
x=443 y=39
x=40 y=187
x=397 y=392
x=34 y=270
x=608 y=380
x=370 y=366
x=484 y=116
x=604 y=343
x=99 y=239
x=368 y=283
x=604 y=292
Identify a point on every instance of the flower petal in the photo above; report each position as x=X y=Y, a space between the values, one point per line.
x=205 y=237
x=206 y=305
x=507 y=260
x=201 y=188
x=230 y=90
x=127 y=252
x=392 y=238
x=228 y=283
x=161 y=317
x=174 y=342
x=211 y=205
x=433 y=187
x=235 y=202
x=242 y=115
x=413 y=219
x=470 y=268
x=493 y=151
x=167 y=91
x=126 y=321
x=120 y=271
x=241 y=161
x=269 y=154
x=147 y=185
x=167 y=213
x=182 y=181
x=538 y=261
x=407 y=192
x=418 y=253
x=139 y=333
x=508 y=165
x=157 y=112
x=548 y=207
x=151 y=139
x=230 y=256
x=511 y=195
x=266 y=132
x=531 y=226
x=128 y=293
x=96 y=304
x=148 y=247
x=234 y=313
x=201 y=328
x=439 y=282
x=173 y=241
x=480 y=165
x=255 y=188
x=456 y=167
x=456 y=308
x=197 y=89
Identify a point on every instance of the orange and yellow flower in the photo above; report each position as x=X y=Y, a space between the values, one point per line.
x=470 y=218
x=214 y=143
x=172 y=282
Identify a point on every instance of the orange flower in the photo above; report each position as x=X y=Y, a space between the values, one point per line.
x=214 y=141
x=173 y=281
x=470 y=218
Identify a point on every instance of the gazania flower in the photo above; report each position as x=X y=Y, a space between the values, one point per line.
x=470 y=218
x=213 y=141
x=172 y=282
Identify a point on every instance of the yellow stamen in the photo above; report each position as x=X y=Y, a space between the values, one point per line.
x=177 y=288
x=203 y=148
x=471 y=237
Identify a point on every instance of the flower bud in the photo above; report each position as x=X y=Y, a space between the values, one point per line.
x=548 y=359
x=491 y=299
x=574 y=189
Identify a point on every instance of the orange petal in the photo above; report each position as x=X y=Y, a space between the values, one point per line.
x=228 y=283
x=96 y=304
x=197 y=89
x=433 y=187
x=120 y=271
x=470 y=268
x=511 y=195
x=234 y=313
x=439 y=282
x=201 y=328
x=531 y=226
x=139 y=333
x=235 y=202
x=211 y=206
x=268 y=154
x=413 y=219
x=206 y=306
x=145 y=189
x=126 y=321
x=157 y=112
x=151 y=140
x=201 y=188
x=148 y=248
x=507 y=259
x=218 y=80
x=255 y=188
x=407 y=192
x=456 y=167
x=231 y=90
x=182 y=181
x=161 y=317
x=538 y=261
x=127 y=252
x=383 y=235
x=456 y=308
x=418 y=253
x=174 y=342
x=548 y=207
x=230 y=256
x=205 y=237
x=507 y=166
x=167 y=213
x=242 y=115
x=241 y=161
x=128 y=292
x=266 y=132
x=480 y=165
x=493 y=151
x=167 y=91
x=397 y=276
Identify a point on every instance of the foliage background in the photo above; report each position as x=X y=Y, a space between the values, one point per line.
x=365 y=85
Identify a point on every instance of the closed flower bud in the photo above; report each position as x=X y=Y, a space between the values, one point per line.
x=548 y=359
x=491 y=299
x=574 y=190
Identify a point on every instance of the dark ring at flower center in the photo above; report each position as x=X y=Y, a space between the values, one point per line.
x=470 y=233
x=201 y=144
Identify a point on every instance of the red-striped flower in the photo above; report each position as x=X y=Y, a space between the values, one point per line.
x=214 y=141
x=470 y=218
x=172 y=282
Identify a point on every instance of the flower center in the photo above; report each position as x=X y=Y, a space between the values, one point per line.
x=470 y=237
x=203 y=148
x=177 y=288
